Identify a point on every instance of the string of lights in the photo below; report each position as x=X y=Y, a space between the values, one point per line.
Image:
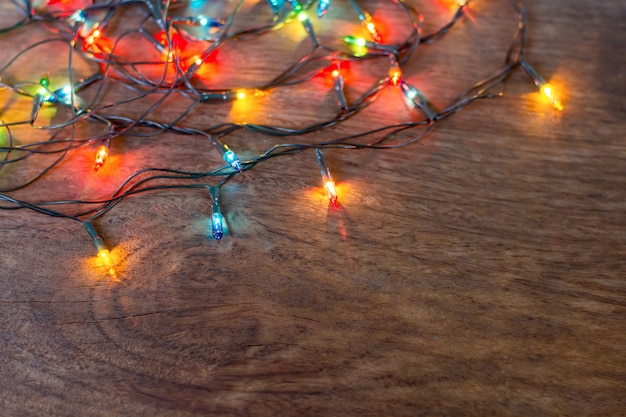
x=91 y=32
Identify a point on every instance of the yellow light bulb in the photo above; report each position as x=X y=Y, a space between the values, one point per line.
x=546 y=91
x=107 y=262
x=241 y=95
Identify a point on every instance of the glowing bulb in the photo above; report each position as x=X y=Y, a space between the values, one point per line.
x=327 y=179
x=546 y=91
x=338 y=86
x=241 y=95
x=306 y=23
x=414 y=97
x=43 y=90
x=101 y=156
x=395 y=76
x=322 y=7
x=354 y=41
x=103 y=253
x=217 y=225
x=91 y=39
x=203 y=21
x=197 y=60
x=64 y=95
x=332 y=192
x=231 y=159
x=371 y=28
x=40 y=97
x=107 y=262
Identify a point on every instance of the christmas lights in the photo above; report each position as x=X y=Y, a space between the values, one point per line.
x=217 y=220
x=395 y=74
x=186 y=44
x=40 y=97
x=545 y=88
x=322 y=7
x=308 y=26
x=327 y=179
x=101 y=156
x=338 y=86
x=367 y=22
x=231 y=159
x=364 y=43
x=102 y=251
x=415 y=97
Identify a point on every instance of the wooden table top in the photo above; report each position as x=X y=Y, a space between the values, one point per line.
x=480 y=271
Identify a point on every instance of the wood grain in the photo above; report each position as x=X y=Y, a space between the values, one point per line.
x=479 y=272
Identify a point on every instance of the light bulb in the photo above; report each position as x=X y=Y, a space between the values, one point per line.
x=327 y=179
x=338 y=85
x=322 y=7
x=231 y=159
x=546 y=90
x=395 y=76
x=91 y=39
x=101 y=156
x=107 y=262
x=103 y=253
x=354 y=41
x=217 y=225
x=414 y=97
x=371 y=28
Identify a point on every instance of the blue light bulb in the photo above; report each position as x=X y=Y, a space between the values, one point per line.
x=233 y=161
x=322 y=7
x=217 y=227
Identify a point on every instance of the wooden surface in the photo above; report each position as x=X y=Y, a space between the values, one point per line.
x=479 y=272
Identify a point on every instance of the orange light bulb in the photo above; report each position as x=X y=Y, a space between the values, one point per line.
x=101 y=156
x=371 y=28
x=91 y=39
x=547 y=91
x=395 y=76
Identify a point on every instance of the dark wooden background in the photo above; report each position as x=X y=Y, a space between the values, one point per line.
x=479 y=272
